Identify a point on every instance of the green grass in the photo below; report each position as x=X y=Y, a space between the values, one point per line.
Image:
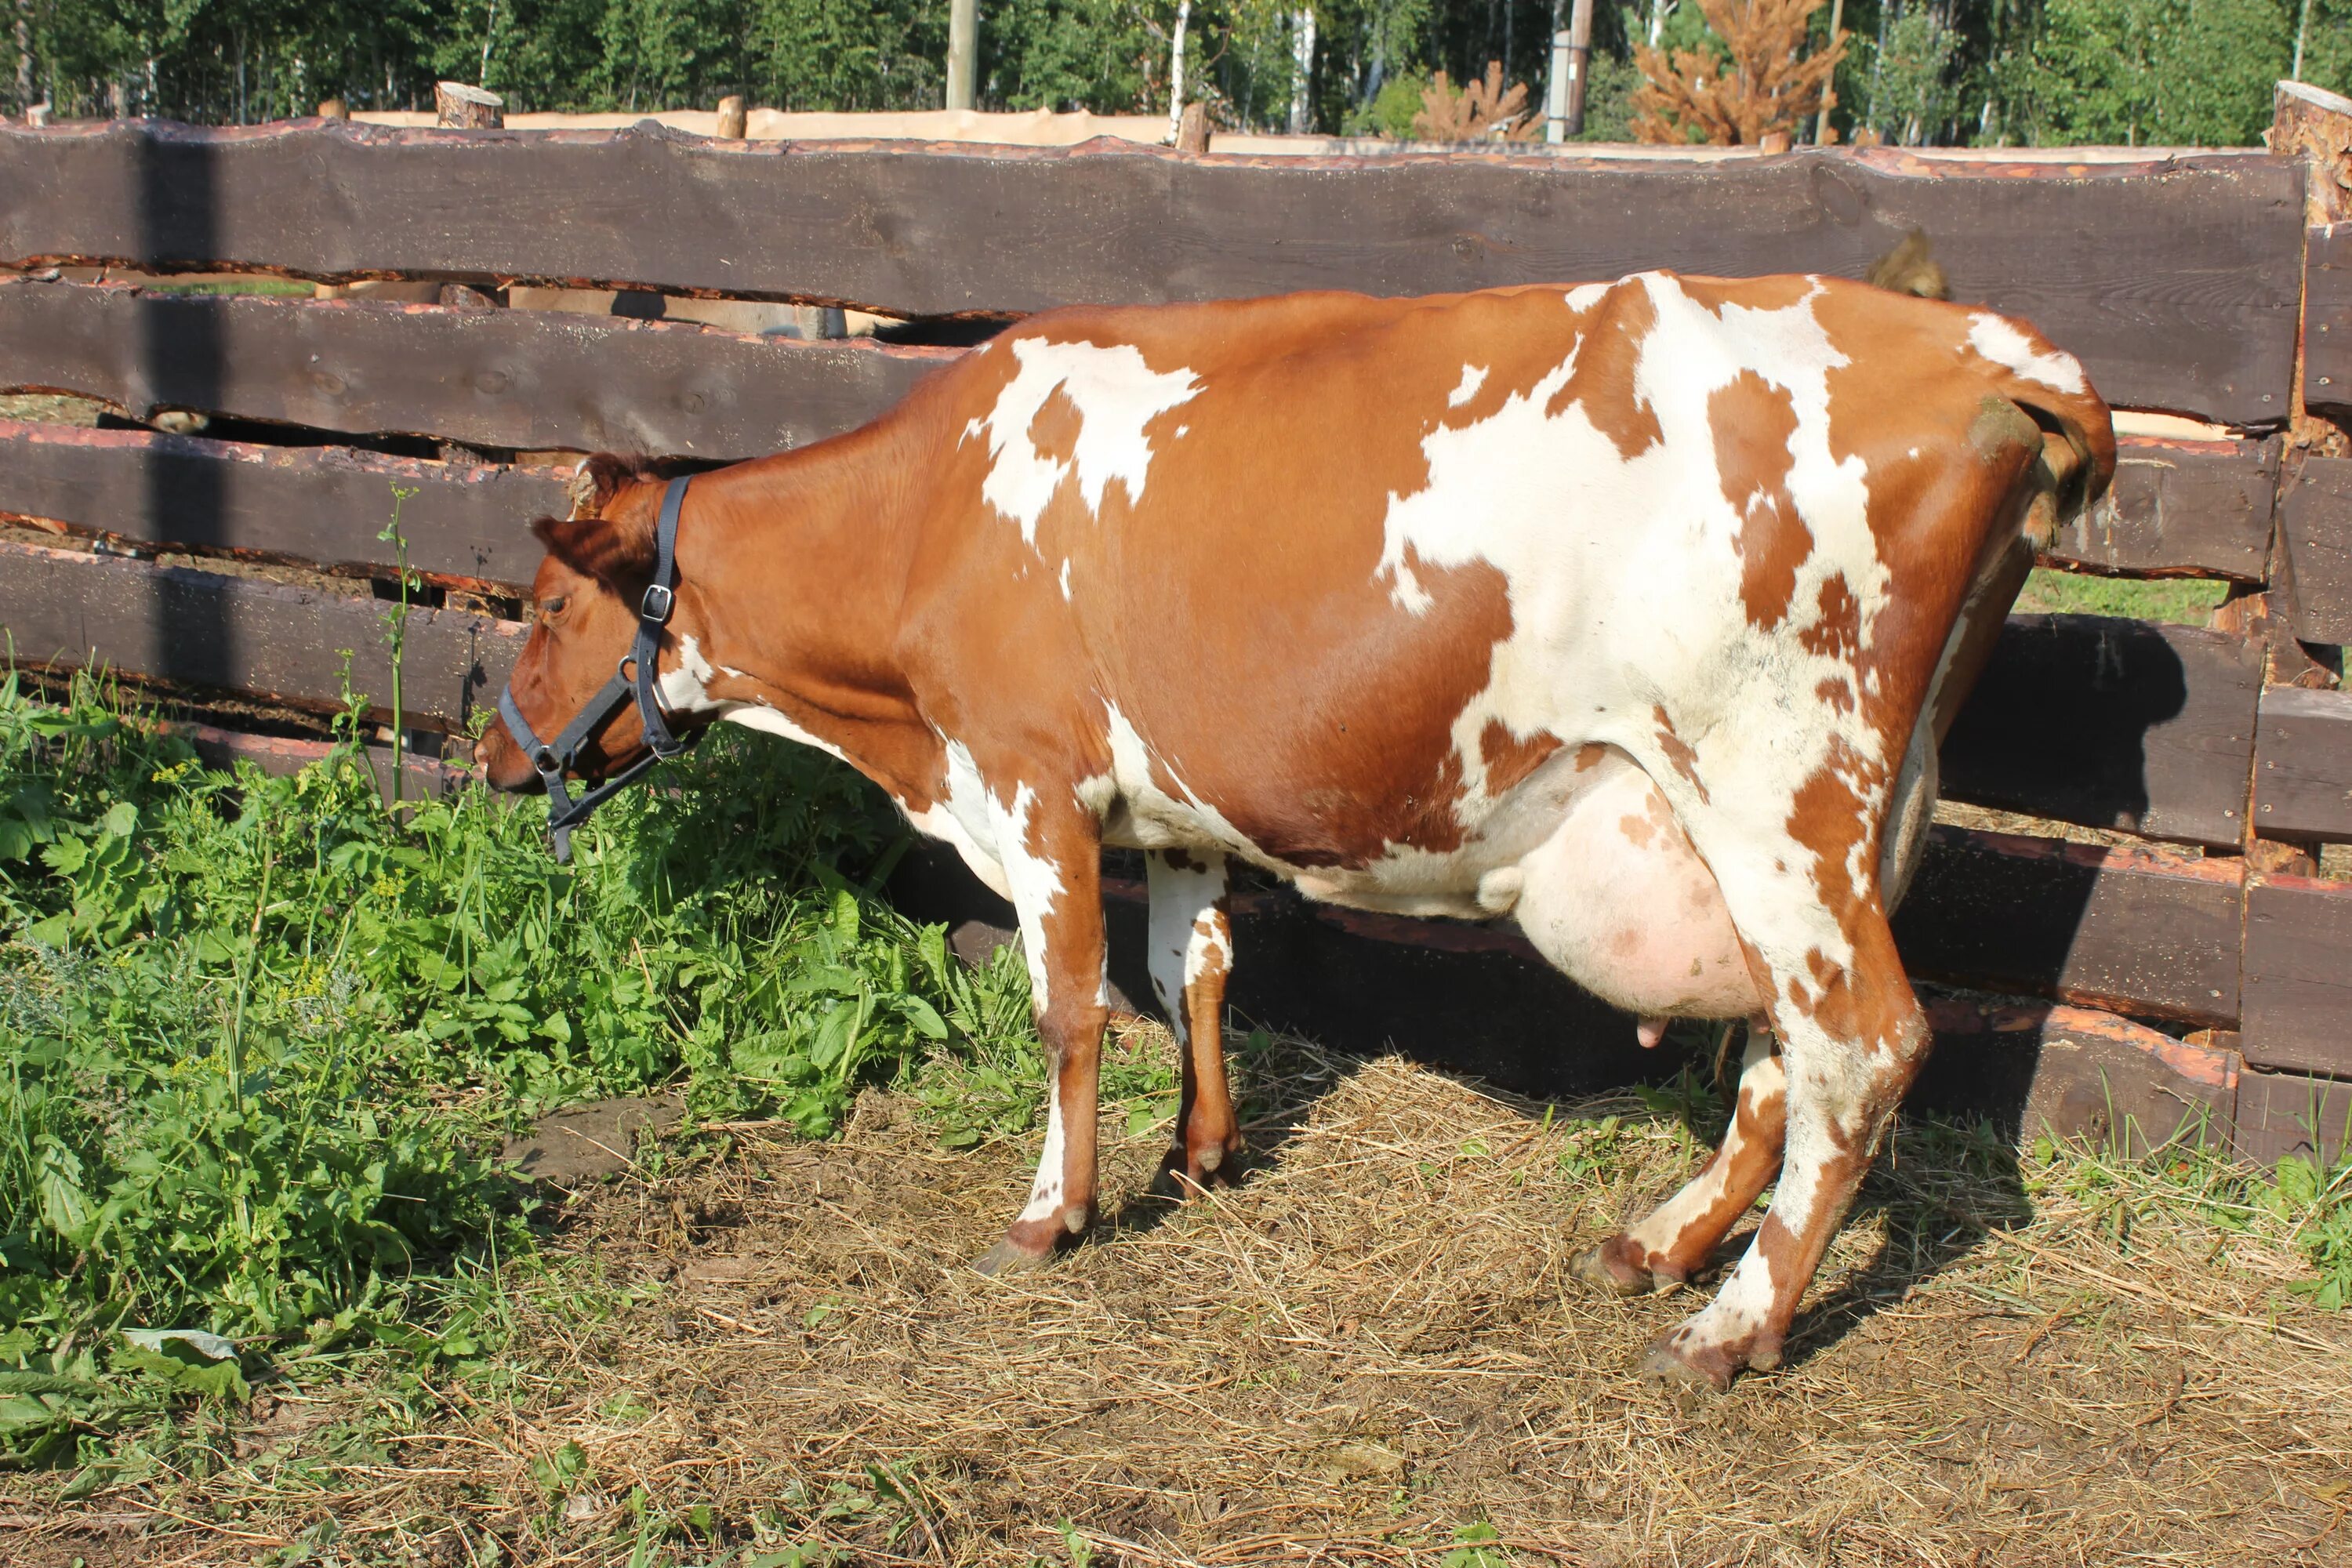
x=290 y=288
x=2185 y=601
x=259 y=1037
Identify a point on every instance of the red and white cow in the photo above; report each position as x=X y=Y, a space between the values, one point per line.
x=1633 y=611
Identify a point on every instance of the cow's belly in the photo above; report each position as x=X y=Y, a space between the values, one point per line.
x=1619 y=901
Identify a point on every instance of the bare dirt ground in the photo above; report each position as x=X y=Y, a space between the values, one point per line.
x=1371 y=1353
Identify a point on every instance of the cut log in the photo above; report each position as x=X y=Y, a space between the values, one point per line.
x=2179 y=509
x=2112 y=724
x=206 y=632
x=518 y=379
x=462 y=107
x=2175 y=277
x=2298 y=972
x=467 y=526
x=2145 y=931
x=2303 y=765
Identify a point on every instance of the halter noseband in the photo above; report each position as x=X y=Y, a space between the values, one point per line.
x=553 y=761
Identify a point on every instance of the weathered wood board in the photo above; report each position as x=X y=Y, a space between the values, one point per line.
x=2112 y=724
x=2316 y=525
x=2303 y=764
x=2282 y=1114
x=2180 y=507
x=209 y=632
x=2140 y=932
x=2175 y=277
x=527 y=379
x=323 y=504
x=2298 y=975
x=2327 y=320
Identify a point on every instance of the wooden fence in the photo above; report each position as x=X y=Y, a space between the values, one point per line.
x=2198 y=948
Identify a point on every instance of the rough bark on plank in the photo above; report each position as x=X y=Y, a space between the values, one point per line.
x=2174 y=278
x=2180 y=507
x=2303 y=764
x=2328 y=321
x=2282 y=1114
x=2137 y=930
x=2298 y=975
x=490 y=378
x=323 y=504
x=206 y=631
x=2112 y=724
x=2315 y=526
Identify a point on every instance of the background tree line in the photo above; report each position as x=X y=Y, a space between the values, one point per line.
x=1987 y=72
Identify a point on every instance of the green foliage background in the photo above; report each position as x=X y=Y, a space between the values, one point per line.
x=2169 y=72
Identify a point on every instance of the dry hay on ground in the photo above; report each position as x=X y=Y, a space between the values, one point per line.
x=1369 y=1346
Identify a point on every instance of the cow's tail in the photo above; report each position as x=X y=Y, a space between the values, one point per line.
x=2078 y=462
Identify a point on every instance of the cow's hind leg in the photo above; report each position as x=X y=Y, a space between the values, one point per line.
x=1851 y=1038
x=1682 y=1233
x=1053 y=865
x=1191 y=953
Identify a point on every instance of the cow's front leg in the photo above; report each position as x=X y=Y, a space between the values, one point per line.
x=1052 y=855
x=1191 y=953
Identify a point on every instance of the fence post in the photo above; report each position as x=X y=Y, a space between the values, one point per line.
x=963 y=53
x=734 y=119
x=463 y=108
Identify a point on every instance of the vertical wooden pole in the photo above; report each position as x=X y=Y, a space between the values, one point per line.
x=1580 y=59
x=1821 y=132
x=963 y=53
x=734 y=119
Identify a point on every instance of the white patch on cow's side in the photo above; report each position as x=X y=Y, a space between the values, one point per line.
x=1045 y=1192
x=1997 y=338
x=1614 y=566
x=1474 y=376
x=1066 y=580
x=1116 y=395
x=1584 y=296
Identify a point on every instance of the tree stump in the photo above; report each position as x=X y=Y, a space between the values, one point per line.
x=734 y=120
x=334 y=109
x=1192 y=129
x=464 y=108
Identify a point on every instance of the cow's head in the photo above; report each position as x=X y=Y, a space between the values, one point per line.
x=583 y=621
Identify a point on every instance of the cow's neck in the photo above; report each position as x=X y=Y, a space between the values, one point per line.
x=791 y=571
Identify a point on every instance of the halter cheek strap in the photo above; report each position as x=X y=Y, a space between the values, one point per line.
x=634 y=679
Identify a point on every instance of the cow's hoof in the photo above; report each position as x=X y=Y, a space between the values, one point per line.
x=1606 y=1270
x=1679 y=1361
x=1006 y=1259
x=1186 y=1178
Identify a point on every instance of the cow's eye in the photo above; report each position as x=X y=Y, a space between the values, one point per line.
x=550 y=608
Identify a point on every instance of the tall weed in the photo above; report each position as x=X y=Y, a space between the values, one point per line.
x=259 y=1035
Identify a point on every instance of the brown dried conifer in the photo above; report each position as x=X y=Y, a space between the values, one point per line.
x=1482 y=112
x=1768 y=84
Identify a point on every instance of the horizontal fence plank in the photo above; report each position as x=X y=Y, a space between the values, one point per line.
x=2327 y=320
x=2316 y=523
x=2283 y=1114
x=523 y=379
x=2139 y=932
x=2180 y=507
x=2303 y=764
x=2112 y=724
x=2298 y=975
x=2174 y=278
x=323 y=504
x=210 y=632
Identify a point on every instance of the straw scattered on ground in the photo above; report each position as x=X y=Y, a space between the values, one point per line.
x=1371 y=1353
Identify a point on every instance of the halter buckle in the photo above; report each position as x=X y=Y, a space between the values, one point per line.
x=656 y=604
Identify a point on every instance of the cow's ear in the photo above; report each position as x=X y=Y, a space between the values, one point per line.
x=613 y=552
x=597 y=479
